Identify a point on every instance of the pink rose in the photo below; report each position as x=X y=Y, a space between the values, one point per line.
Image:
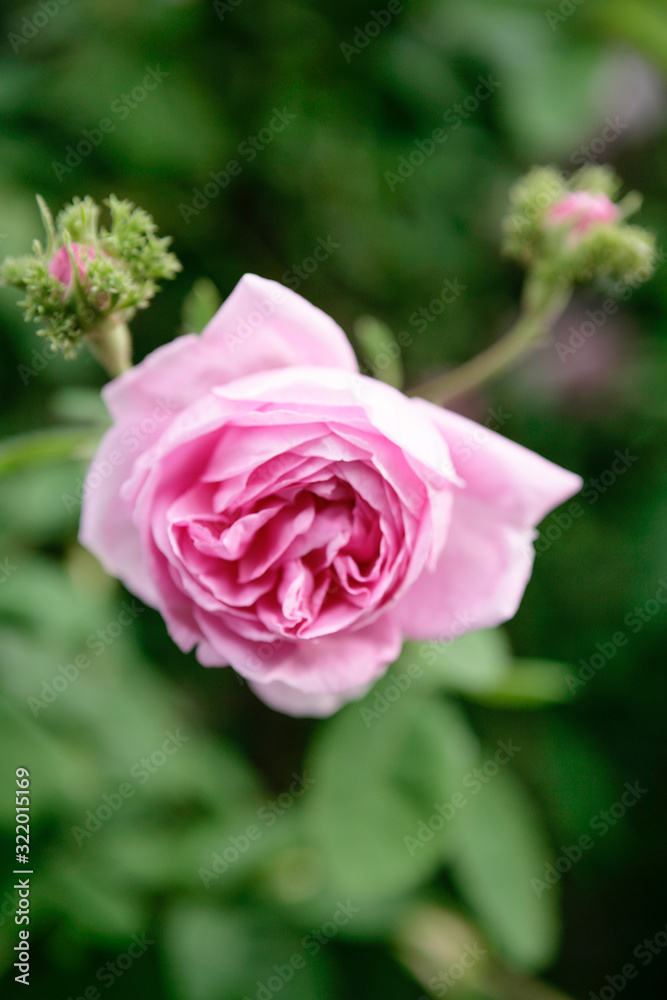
x=297 y=520
x=61 y=265
x=581 y=210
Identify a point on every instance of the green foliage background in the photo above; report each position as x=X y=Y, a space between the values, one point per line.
x=323 y=177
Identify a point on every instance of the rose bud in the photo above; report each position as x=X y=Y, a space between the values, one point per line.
x=61 y=264
x=581 y=210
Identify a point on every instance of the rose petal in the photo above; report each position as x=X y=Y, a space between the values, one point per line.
x=308 y=704
x=263 y=325
x=328 y=665
x=486 y=563
x=501 y=472
x=478 y=582
x=290 y=331
x=167 y=380
x=107 y=529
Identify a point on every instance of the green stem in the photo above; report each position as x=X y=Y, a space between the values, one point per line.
x=542 y=307
x=111 y=345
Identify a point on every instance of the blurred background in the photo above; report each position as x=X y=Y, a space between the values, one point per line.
x=207 y=878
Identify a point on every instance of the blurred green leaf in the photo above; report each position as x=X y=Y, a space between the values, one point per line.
x=640 y=21
x=502 y=846
x=42 y=447
x=214 y=953
x=375 y=783
x=200 y=305
x=79 y=404
x=208 y=951
x=477 y=662
x=529 y=684
x=91 y=902
x=379 y=349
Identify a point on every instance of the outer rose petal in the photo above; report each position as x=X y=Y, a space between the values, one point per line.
x=172 y=376
x=291 y=701
x=486 y=563
x=329 y=665
x=106 y=527
x=501 y=472
x=291 y=332
x=263 y=325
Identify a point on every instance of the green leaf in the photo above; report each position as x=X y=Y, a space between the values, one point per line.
x=201 y=304
x=55 y=769
x=376 y=778
x=93 y=903
x=529 y=684
x=379 y=350
x=501 y=847
x=638 y=22
x=208 y=951
x=81 y=405
x=42 y=447
x=477 y=662
x=215 y=953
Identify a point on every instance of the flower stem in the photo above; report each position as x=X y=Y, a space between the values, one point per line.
x=542 y=306
x=111 y=345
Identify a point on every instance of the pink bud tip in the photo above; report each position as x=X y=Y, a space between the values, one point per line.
x=61 y=266
x=582 y=209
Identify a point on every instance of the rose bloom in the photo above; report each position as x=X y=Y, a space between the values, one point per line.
x=297 y=520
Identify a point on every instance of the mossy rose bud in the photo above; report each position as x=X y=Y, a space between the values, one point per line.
x=579 y=210
x=61 y=264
